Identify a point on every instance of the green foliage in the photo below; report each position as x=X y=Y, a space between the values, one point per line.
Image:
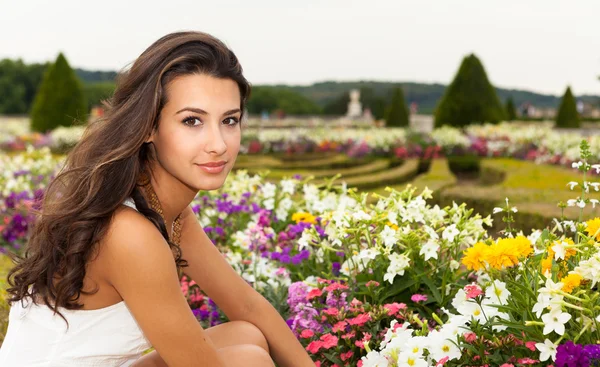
x=60 y=100
x=18 y=84
x=271 y=99
x=97 y=92
x=469 y=98
x=511 y=113
x=397 y=115
x=567 y=115
x=338 y=106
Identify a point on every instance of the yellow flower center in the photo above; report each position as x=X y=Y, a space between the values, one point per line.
x=445 y=349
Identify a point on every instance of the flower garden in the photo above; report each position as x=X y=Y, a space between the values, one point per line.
x=475 y=247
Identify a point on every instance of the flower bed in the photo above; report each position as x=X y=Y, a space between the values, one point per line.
x=398 y=280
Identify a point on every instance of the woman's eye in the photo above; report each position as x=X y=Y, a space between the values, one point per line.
x=190 y=121
x=232 y=121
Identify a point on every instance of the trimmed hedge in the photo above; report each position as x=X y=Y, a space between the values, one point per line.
x=393 y=176
x=370 y=167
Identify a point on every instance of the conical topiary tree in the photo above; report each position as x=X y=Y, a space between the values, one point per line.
x=397 y=114
x=567 y=115
x=511 y=112
x=469 y=98
x=59 y=100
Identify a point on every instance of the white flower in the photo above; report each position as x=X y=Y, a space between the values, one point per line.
x=547 y=350
x=288 y=186
x=576 y=164
x=450 y=232
x=429 y=250
x=304 y=241
x=497 y=210
x=409 y=360
x=361 y=215
x=559 y=250
x=596 y=167
x=497 y=292
x=268 y=190
x=572 y=184
x=388 y=236
x=374 y=359
x=398 y=263
x=440 y=347
x=594 y=202
x=555 y=321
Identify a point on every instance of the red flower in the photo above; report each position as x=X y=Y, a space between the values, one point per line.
x=314 y=293
x=335 y=286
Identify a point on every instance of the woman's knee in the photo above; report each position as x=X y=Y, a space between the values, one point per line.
x=248 y=355
x=252 y=334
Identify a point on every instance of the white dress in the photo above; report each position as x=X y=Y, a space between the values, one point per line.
x=106 y=337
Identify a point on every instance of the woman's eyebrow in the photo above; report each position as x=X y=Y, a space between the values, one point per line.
x=202 y=112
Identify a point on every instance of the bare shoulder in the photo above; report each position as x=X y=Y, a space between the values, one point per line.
x=142 y=270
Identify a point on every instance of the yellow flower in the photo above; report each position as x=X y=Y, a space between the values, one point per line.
x=593 y=226
x=547 y=265
x=523 y=245
x=392 y=226
x=502 y=255
x=475 y=257
x=304 y=217
x=571 y=282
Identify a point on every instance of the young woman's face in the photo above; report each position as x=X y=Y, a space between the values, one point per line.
x=199 y=125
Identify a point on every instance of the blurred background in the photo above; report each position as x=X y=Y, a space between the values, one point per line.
x=495 y=95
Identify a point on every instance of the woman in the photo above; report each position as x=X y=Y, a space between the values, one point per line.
x=111 y=271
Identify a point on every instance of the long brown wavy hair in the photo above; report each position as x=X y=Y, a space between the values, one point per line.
x=105 y=167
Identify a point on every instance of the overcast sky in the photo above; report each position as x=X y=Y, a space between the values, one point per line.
x=538 y=45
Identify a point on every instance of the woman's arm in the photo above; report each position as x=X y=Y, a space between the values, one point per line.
x=234 y=296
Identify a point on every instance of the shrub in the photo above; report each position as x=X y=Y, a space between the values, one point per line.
x=469 y=98
x=60 y=100
x=397 y=115
x=567 y=115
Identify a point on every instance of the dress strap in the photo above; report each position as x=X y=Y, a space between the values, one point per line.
x=130 y=203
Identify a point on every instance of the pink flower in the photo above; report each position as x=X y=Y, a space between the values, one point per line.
x=360 y=319
x=351 y=334
x=418 y=298
x=314 y=346
x=372 y=283
x=335 y=286
x=314 y=293
x=531 y=346
x=442 y=361
x=331 y=311
x=307 y=333
x=393 y=308
x=527 y=361
x=345 y=356
x=340 y=326
x=470 y=337
x=507 y=365
x=329 y=341
x=473 y=290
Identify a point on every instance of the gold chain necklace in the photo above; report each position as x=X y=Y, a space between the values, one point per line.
x=155 y=205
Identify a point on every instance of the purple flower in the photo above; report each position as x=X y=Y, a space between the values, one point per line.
x=571 y=355
x=593 y=351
